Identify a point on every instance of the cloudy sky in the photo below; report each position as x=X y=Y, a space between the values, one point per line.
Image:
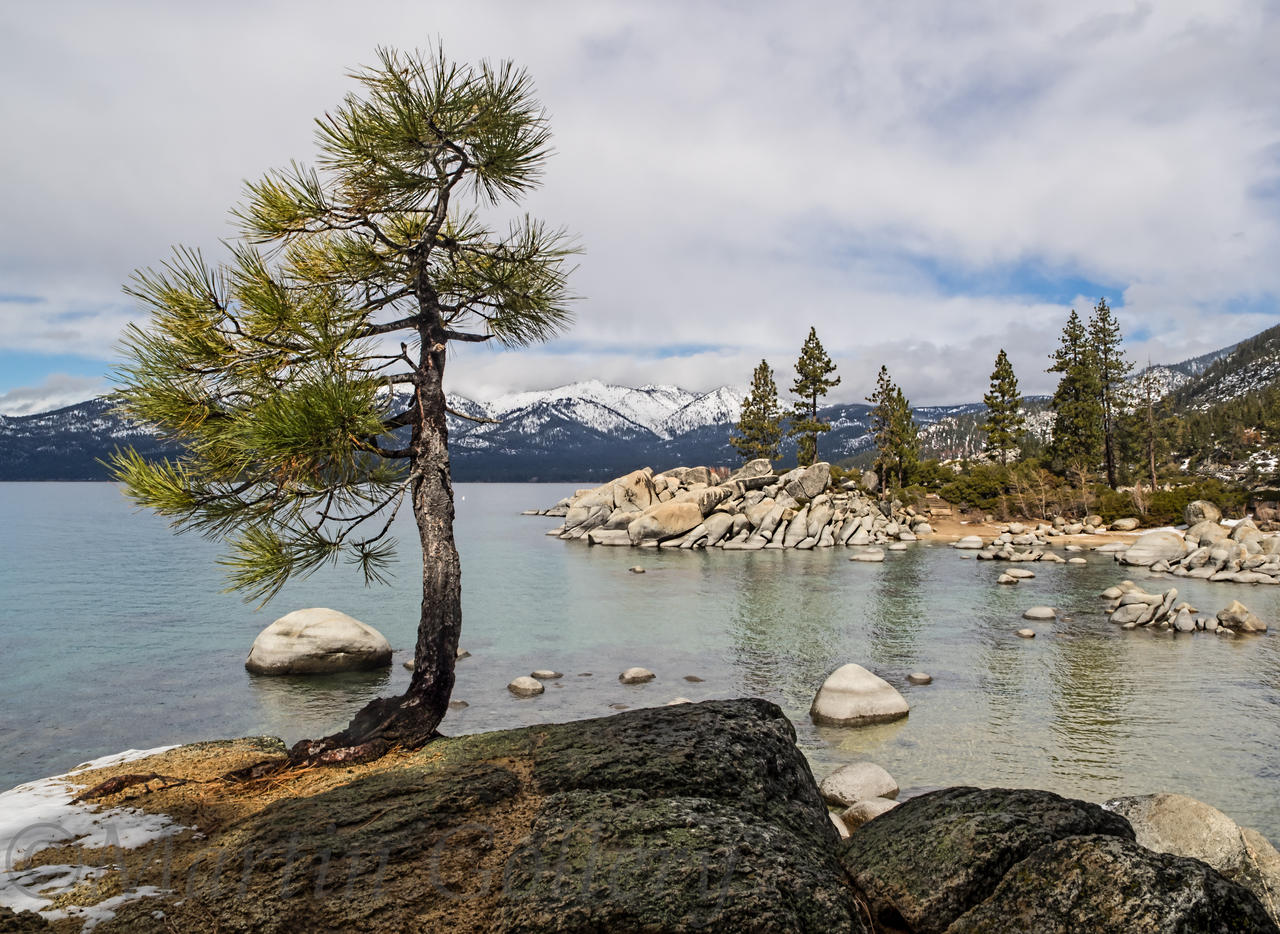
x=924 y=182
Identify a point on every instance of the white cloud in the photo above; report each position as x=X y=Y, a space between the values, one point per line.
x=735 y=172
x=54 y=392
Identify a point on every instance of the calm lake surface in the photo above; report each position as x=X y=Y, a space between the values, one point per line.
x=114 y=633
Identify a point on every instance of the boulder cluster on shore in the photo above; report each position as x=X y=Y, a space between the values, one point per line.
x=1130 y=607
x=749 y=509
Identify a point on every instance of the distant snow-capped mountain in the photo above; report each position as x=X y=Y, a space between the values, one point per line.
x=594 y=430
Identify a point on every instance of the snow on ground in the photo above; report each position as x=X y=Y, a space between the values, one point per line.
x=40 y=814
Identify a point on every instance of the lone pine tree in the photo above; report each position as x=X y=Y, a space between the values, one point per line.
x=759 y=428
x=305 y=376
x=1112 y=370
x=1076 y=404
x=813 y=381
x=894 y=429
x=1005 y=420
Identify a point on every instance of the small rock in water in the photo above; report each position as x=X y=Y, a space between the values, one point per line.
x=617 y=706
x=857 y=781
x=1040 y=612
x=694 y=679
x=898 y=546
x=1020 y=572
x=1027 y=633
x=679 y=700
x=461 y=654
x=409 y=664
x=637 y=570
x=545 y=674
x=458 y=705
x=584 y=674
x=525 y=686
x=919 y=677
x=636 y=676
x=1077 y=561
x=1006 y=579
x=853 y=696
x=874 y=554
x=857 y=815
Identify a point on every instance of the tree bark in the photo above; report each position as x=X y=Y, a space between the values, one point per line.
x=411 y=719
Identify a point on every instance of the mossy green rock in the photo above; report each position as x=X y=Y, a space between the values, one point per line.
x=671 y=818
x=933 y=857
x=1109 y=885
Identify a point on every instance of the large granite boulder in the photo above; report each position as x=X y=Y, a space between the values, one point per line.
x=853 y=696
x=1201 y=510
x=1150 y=547
x=694 y=817
x=1206 y=533
x=1239 y=617
x=635 y=490
x=932 y=858
x=1183 y=826
x=317 y=641
x=664 y=520
x=1110 y=885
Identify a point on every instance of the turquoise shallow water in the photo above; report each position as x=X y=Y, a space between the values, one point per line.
x=114 y=633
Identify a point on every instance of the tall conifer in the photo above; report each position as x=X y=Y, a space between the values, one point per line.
x=759 y=429
x=1005 y=420
x=813 y=381
x=894 y=430
x=1077 y=406
x=1112 y=369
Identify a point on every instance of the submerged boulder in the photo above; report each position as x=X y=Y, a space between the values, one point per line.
x=853 y=696
x=317 y=641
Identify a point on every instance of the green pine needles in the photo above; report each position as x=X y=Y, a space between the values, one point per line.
x=894 y=429
x=759 y=428
x=813 y=381
x=303 y=375
x=1005 y=420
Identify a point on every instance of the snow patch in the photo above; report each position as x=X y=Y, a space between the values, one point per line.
x=40 y=814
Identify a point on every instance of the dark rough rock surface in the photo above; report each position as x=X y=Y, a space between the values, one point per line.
x=932 y=858
x=1109 y=885
x=25 y=922
x=700 y=816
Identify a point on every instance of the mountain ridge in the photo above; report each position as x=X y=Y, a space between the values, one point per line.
x=591 y=429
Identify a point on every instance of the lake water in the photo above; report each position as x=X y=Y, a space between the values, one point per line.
x=114 y=633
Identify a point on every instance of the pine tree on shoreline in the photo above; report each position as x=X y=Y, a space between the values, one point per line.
x=813 y=381
x=894 y=430
x=759 y=428
x=1112 y=370
x=1005 y=420
x=1077 y=424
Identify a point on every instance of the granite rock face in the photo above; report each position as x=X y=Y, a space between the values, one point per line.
x=932 y=858
x=699 y=816
x=969 y=860
x=1183 y=826
x=1110 y=885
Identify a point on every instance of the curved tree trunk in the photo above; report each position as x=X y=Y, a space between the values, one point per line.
x=411 y=719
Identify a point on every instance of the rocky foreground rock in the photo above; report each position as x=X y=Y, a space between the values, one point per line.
x=749 y=509
x=699 y=816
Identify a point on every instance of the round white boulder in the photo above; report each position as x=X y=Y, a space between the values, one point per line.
x=853 y=696
x=524 y=686
x=636 y=676
x=317 y=641
x=1040 y=612
x=857 y=781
